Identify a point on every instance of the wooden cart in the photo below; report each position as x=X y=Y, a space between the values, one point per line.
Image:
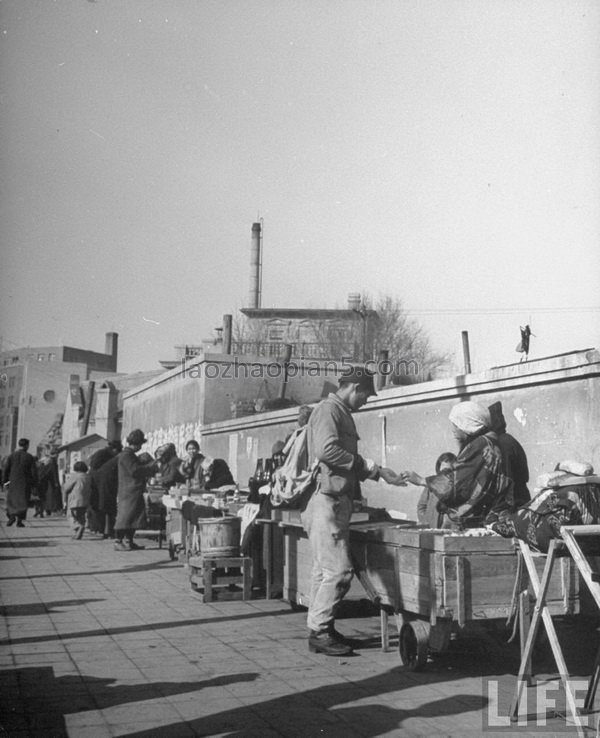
x=437 y=582
x=155 y=515
x=297 y=560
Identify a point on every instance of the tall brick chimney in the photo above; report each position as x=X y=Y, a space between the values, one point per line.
x=111 y=348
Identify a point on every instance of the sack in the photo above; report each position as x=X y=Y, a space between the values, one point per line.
x=293 y=481
x=248 y=514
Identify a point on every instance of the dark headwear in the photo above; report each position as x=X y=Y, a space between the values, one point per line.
x=165 y=452
x=497 y=418
x=277 y=448
x=136 y=438
x=80 y=466
x=23 y=442
x=117 y=445
x=359 y=375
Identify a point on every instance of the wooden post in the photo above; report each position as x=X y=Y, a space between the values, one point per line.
x=227 y=334
x=382 y=378
x=466 y=352
x=286 y=360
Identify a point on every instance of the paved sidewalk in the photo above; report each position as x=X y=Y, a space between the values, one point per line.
x=95 y=643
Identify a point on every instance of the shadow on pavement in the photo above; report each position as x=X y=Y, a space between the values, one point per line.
x=46 y=699
x=152 y=566
x=320 y=712
x=137 y=628
x=43 y=608
x=25 y=543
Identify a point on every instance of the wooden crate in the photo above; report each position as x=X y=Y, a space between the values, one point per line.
x=297 y=568
x=435 y=574
x=219 y=579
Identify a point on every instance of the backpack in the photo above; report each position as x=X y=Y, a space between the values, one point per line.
x=295 y=480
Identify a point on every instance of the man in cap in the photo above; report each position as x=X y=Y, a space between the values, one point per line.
x=333 y=441
x=21 y=474
x=132 y=474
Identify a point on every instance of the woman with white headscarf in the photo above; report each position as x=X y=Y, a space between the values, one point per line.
x=475 y=491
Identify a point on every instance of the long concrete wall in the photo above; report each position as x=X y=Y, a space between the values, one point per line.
x=175 y=406
x=552 y=406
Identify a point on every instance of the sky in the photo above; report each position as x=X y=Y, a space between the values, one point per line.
x=445 y=152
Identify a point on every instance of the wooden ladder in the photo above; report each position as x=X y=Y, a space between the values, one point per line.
x=567 y=544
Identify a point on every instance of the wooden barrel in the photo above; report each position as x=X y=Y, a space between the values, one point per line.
x=219 y=537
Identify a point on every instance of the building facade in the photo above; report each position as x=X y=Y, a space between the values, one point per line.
x=34 y=383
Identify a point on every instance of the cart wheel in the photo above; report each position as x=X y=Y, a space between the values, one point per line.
x=172 y=554
x=414 y=644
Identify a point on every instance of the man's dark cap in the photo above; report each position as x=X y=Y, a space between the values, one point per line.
x=23 y=442
x=359 y=375
x=136 y=437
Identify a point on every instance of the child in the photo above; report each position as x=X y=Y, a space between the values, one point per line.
x=427 y=512
x=77 y=495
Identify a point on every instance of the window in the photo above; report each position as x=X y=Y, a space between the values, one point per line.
x=9 y=402
x=275 y=334
x=276 y=330
x=11 y=381
x=51 y=357
x=49 y=395
x=1 y=421
x=2 y=401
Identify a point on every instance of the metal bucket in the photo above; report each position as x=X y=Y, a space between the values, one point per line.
x=219 y=537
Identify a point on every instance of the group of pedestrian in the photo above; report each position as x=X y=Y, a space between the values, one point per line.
x=31 y=482
x=107 y=495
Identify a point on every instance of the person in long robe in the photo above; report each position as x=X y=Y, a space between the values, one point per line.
x=132 y=474
x=21 y=474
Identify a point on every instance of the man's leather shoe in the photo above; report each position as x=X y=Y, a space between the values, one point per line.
x=20 y=524
x=336 y=635
x=134 y=546
x=325 y=643
x=11 y=521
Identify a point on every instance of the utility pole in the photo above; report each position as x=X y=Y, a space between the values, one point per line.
x=364 y=316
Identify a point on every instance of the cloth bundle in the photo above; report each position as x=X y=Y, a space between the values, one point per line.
x=566 y=499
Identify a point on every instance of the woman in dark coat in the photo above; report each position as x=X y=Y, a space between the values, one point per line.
x=20 y=473
x=474 y=492
x=49 y=490
x=169 y=464
x=130 y=497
